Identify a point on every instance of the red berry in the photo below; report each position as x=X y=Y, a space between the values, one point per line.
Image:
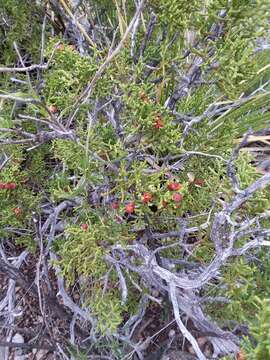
x=10 y=186
x=158 y=124
x=17 y=211
x=84 y=227
x=2 y=186
x=130 y=208
x=53 y=109
x=115 y=204
x=174 y=186
x=147 y=197
x=199 y=182
x=177 y=197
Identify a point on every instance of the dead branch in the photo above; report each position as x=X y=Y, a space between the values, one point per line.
x=180 y=324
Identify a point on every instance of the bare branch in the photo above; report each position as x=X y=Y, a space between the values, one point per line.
x=180 y=324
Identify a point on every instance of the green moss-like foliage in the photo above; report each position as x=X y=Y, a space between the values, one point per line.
x=21 y=23
x=259 y=331
x=17 y=205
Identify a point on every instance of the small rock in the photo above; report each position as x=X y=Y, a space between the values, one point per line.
x=18 y=311
x=155 y=293
x=17 y=338
x=39 y=319
x=19 y=357
x=171 y=333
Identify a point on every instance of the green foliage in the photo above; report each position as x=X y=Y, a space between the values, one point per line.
x=17 y=205
x=142 y=113
x=179 y=14
x=261 y=60
x=260 y=332
x=68 y=75
x=212 y=137
x=38 y=165
x=108 y=309
x=22 y=24
x=77 y=353
x=82 y=252
x=245 y=285
x=244 y=22
x=71 y=154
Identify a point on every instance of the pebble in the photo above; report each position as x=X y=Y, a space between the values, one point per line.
x=20 y=357
x=18 y=354
x=155 y=293
x=171 y=333
x=17 y=338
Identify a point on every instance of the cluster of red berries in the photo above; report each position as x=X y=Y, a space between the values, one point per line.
x=130 y=206
x=115 y=205
x=158 y=123
x=147 y=197
x=8 y=186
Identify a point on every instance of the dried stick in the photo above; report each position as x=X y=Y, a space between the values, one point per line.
x=123 y=284
x=180 y=324
x=79 y=26
x=246 y=194
x=23 y=69
x=31 y=67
